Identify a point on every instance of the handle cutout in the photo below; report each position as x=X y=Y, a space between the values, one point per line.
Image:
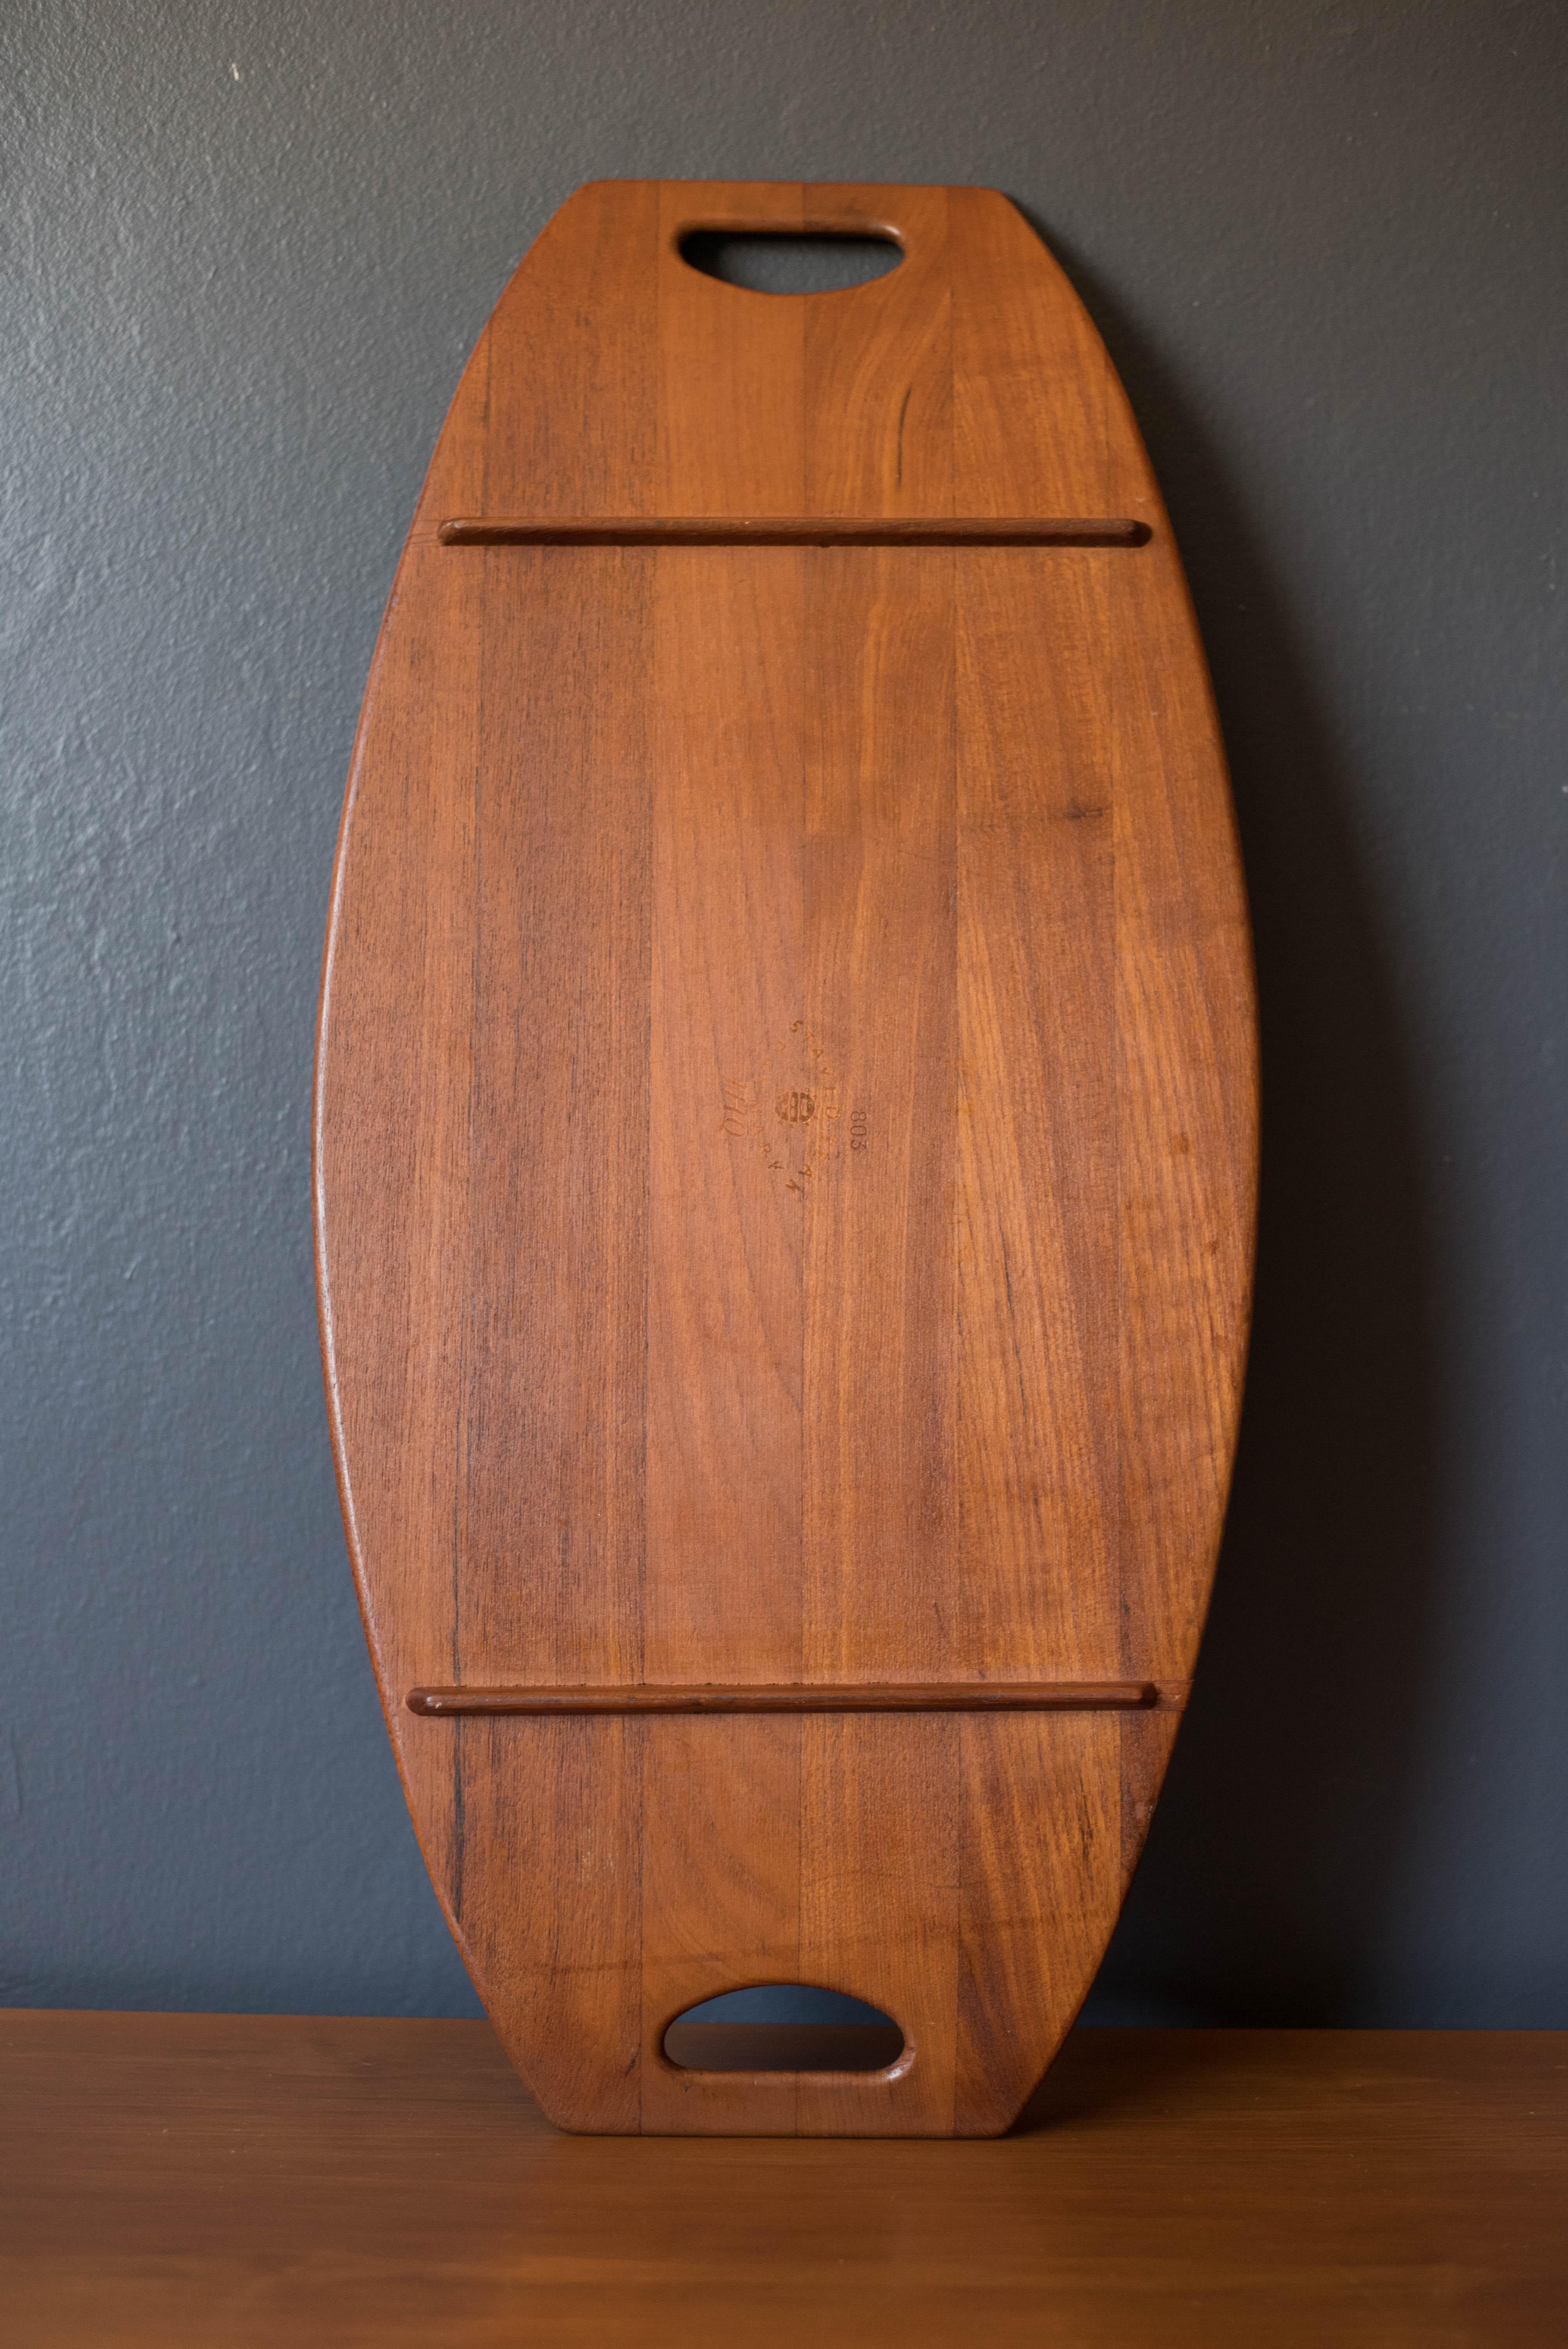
x=788 y=260
x=783 y=2027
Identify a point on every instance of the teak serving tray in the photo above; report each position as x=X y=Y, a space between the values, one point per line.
x=785 y=1155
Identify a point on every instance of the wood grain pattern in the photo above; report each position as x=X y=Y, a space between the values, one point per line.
x=784 y=1154
x=725 y=1303
x=880 y=1024
x=177 y=2182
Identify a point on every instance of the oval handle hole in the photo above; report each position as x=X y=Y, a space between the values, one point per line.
x=775 y=260
x=783 y=2027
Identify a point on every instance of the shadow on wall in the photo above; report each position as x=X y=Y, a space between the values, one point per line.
x=1276 y=1848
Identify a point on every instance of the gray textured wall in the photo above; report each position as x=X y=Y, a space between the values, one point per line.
x=247 y=248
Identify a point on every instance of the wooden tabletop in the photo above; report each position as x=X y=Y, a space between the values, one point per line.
x=241 y=2179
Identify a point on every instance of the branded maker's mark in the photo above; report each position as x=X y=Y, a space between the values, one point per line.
x=791 y=1113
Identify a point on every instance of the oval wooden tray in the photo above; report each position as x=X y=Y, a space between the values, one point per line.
x=784 y=1154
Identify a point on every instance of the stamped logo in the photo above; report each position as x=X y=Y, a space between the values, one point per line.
x=790 y=1111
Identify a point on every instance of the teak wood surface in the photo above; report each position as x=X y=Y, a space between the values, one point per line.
x=285 y=2182
x=785 y=1153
